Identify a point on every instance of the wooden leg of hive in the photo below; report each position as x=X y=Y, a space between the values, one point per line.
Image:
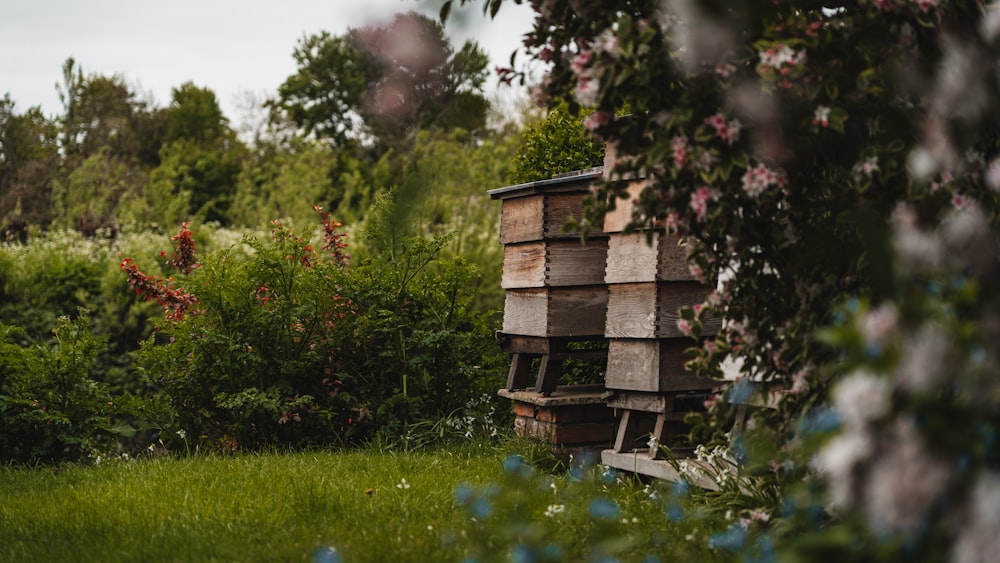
x=661 y=421
x=627 y=432
x=548 y=375
x=519 y=376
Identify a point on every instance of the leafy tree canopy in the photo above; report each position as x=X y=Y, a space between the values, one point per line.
x=380 y=84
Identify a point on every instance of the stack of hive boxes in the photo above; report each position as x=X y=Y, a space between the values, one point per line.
x=555 y=298
x=648 y=281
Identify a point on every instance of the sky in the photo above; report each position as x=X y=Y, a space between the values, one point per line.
x=232 y=47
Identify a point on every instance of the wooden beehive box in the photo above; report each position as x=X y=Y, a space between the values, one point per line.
x=554 y=280
x=541 y=210
x=651 y=365
x=651 y=309
x=554 y=263
x=556 y=311
x=646 y=257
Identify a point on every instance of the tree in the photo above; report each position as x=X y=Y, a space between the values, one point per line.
x=200 y=159
x=29 y=160
x=103 y=111
x=787 y=141
x=381 y=84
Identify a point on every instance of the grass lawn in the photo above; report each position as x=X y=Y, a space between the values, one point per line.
x=369 y=506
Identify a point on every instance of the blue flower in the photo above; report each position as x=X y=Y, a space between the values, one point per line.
x=730 y=540
x=822 y=419
x=482 y=508
x=463 y=494
x=327 y=554
x=765 y=552
x=741 y=391
x=516 y=464
x=675 y=512
x=604 y=509
x=522 y=554
x=553 y=552
x=681 y=488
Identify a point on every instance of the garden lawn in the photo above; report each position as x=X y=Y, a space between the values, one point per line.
x=369 y=506
x=449 y=504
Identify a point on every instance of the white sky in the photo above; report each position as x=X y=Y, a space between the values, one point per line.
x=230 y=46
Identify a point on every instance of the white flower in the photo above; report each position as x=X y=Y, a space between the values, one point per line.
x=837 y=460
x=866 y=168
x=862 y=397
x=554 y=509
x=653 y=443
x=923 y=359
x=879 y=325
x=978 y=539
x=402 y=484
x=607 y=42
x=822 y=116
x=904 y=482
x=182 y=434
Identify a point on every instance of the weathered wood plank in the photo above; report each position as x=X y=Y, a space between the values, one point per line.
x=556 y=311
x=652 y=365
x=645 y=257
x=559 y=210
x=632 y=258
x=521 y=219
x=631 y=311
x=577 y=311
x=554 y=263
x=526 y=311
x=651 y=309
x=571 y=262
x=671 y=297
x=617 y=219
x=524 y=265
x=646 y=402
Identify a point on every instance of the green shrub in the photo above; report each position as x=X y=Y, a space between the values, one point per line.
x=556 y=145
x=287 y=345
x=51 y=408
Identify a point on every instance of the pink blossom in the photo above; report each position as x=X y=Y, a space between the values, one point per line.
x=959 y=201
x=596 y=119
x=759 y=178
x=684 y=327
x=696 y=272
x=580 y=62
x=866 y=168
x=699 y=202
x=781 y=55
x=729 y=131
x=800 y=383
x=679 y=145
x=926 y=5
x=674 y=223
x=724 y=70
x=587 y=89
x=879 y=325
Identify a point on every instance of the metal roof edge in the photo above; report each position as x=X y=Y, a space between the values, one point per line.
x=547 y=184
